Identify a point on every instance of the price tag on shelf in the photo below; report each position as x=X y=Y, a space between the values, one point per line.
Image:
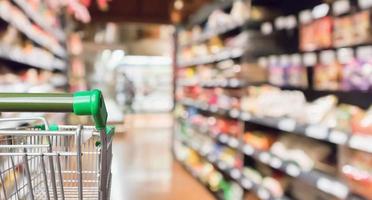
x=233 y=82
x=332 y=187
x=345 y=55
x=320 y=10
x=275 y=162
x=305 y=16
x=291 y=22
x=280 y=23
x=317 y=131
x=213 y=108
x=363 y=143
x=262 y=62
x=204 y=106
x=224 y=83
x=262 y=193
x=223 y=138
x=246 y=183
x=237 y=52
x=235 y=174
x=233 y=142
x=287 y=124
x=364 y=4
x=266 y=28
x=234 y=113
x=248 y=149
x=337 y=137
x=264 y=157
x=341 y=7
x=222 y=165
x=293 y=170
x=245 y=116
x=309 y=59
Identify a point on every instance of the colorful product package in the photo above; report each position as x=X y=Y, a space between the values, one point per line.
x=328 y=72
x=357 y=74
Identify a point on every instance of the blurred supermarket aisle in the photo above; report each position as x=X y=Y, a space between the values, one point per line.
x=143 y=166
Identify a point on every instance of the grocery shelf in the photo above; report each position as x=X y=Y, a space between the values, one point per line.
x=191 y=172
x=39 y=20
x=289 y=125
x=223 y=83
x=40 y=61
x=317 y=179
x=227 y=53
x=234 y=174
x=25 y=28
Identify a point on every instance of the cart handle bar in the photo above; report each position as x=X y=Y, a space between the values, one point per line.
x=80 y=103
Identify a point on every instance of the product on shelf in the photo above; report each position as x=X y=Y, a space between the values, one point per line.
x=362 y=123
x=342 y=117
x=356 y=169
x=259 y=140
x=305 y=152
x=357 y=72
x=297 y=73
x=328 y=73
x=302 y=190
x=316 y=34
x=343 y=31
x=317 y=111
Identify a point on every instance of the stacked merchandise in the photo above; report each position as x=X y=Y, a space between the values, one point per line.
x=32 y=60
x=237 y=114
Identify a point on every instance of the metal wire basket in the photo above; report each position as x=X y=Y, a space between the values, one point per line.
x=55 y=161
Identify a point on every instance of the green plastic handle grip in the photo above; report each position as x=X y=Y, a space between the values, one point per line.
x=80 y=103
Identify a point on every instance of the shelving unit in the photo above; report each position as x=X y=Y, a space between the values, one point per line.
x=201 y=82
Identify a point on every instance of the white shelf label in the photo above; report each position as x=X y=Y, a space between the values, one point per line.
x=248 y=149
x=317 y=131
x=264 y=157
x=363 y=143
x=275 y=162
x=266 y=28
x=293 y=170
x=233 y=142
x=234 y=82
x=364 y=4
x=332 y=187
x=287 y=125
x=246 y=183
x=263 y=193
x=338 y=137
x=341 y=7
x=309 y=59
x=245 y=116
x=235 y=173
x=222 y=165
x=223 y=138
x=213 y=108
x=234 y=113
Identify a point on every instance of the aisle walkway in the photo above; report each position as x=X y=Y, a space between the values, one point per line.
x=143 y=166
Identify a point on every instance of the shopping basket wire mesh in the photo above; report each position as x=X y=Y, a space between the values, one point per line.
x=55 y=161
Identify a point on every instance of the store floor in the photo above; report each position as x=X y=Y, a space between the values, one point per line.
x=143 y=167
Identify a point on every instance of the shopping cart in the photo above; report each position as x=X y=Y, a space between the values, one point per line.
x=55 y=161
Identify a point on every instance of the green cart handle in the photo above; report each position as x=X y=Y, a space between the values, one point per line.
x=80 y=103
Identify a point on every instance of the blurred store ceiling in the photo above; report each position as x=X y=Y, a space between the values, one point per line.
x=147 y=11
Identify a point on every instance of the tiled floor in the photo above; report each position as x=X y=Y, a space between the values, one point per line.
x=143 y=167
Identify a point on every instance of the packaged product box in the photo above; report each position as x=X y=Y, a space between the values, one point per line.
x=343 y=31
x=276 y=71
x=316 y=33
x=328 y=72
x=355 y=168
x=357 y=72
x=297 y=72
x=362 y=27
